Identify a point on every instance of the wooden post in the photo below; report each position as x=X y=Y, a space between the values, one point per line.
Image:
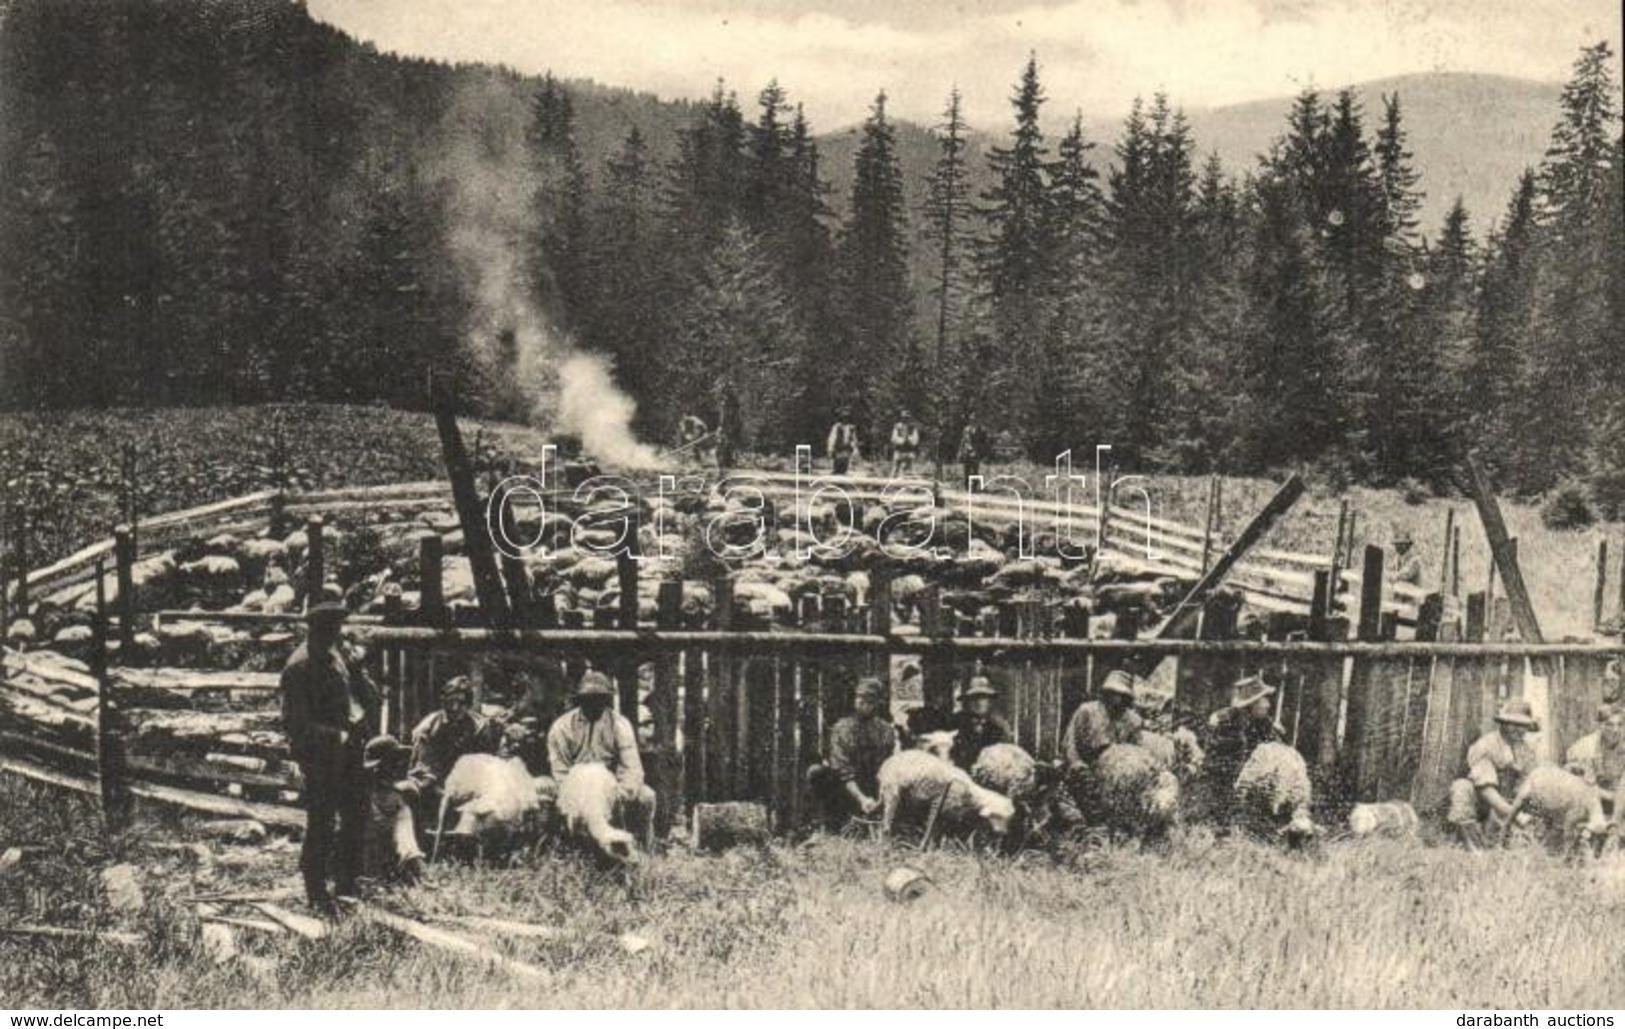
x=1207 y=528
x=110 y=763
x=1357 y=717
x=1506 y=559
x=315 y=561
x=626 y=671
x=936 y=666
x=880 y=602
x=1444 y=560
x=1477 y=616
x=1339 y=557
x=1622 y=584
x=1602 y=585
x=431 y=590
x=19 y=546
x=1429 y=617
x=1370 y=594
x=665 y=769
x=1455 y=563
x=124 y=552
x=721 y=756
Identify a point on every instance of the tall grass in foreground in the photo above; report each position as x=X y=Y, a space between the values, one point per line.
x=1211 y=925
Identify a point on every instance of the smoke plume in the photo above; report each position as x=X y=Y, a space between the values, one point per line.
x=489 y=184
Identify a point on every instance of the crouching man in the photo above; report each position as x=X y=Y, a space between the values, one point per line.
x=1096 y=725
x=1600 y=758
x=591 y=732
x=847 y=783
x=1497 y=763
x=392 y=853
x=439 y=740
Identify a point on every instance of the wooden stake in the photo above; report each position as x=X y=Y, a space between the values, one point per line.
x=1602 y=585
x=1444 y=560
x=315 y=560
x=1455 y=563
x=113 y=789
x=124 y=551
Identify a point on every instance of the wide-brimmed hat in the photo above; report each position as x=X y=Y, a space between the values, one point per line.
x=380 y=749
x=459 y=685
x=1249 y=690
x=911 y=669
x=1517 y=711
x=327 y=612
x=870 y=688
x=1118 y=682
x=1402 y=536
x=979 y=686
x=595 y=684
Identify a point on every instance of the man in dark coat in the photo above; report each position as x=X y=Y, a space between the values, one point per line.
x=975 y=725
x=847 y=782
x=1233 y=733
x=329 y=710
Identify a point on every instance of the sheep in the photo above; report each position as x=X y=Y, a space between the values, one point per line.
x=1137 y=795
x=919 y=781
x=1273 y=794
x=1570 y=807
x=496 y=801
x=586 y=803
x=940 y=743
x=1395 y=818
x=1033 y=787
x=1178 y=752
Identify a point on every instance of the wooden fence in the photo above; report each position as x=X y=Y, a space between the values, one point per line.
x=739 y=714
x=1272 y=580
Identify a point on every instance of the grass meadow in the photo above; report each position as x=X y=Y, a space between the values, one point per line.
x=1211 y=925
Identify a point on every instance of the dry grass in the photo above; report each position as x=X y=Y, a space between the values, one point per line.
x=1212 y=925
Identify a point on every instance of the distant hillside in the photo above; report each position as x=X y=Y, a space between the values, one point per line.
x=1472 y=135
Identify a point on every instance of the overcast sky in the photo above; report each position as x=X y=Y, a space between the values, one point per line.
x=1093 y=54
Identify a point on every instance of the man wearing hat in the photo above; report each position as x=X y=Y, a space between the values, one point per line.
x=1234 y=732
x=593 y=733
x=905 y=445
x=392 y=850
x=842 y=444
x=1096 y=725
x=1407 y=566
x=1600 y=757
x=329 y=711
x=1496 y=765
x=976 y=726
x=848 y=782
x=440 y=739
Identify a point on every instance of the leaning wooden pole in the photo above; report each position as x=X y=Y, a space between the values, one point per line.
x=477 y=544
x=1506 y=561
x=110 y=771
x=1255 y=531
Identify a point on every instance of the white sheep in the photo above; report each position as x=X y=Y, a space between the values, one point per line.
x=586 y=803
x=495 y=798
x=1137 y=795
x=1273 y=794
x=1394 y=818
x=1006 y=768
x=1178 y=752
x=919 y=782
x=1570 y=807
x=940 y=743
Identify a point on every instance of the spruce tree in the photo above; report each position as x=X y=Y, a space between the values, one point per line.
x=875 y=307
x=1014 y=261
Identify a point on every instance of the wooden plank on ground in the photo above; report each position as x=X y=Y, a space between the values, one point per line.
x=270 y=814
x=304 y=925
x=449 y=941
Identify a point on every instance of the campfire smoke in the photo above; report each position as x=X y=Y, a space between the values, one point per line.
x=490 y=185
